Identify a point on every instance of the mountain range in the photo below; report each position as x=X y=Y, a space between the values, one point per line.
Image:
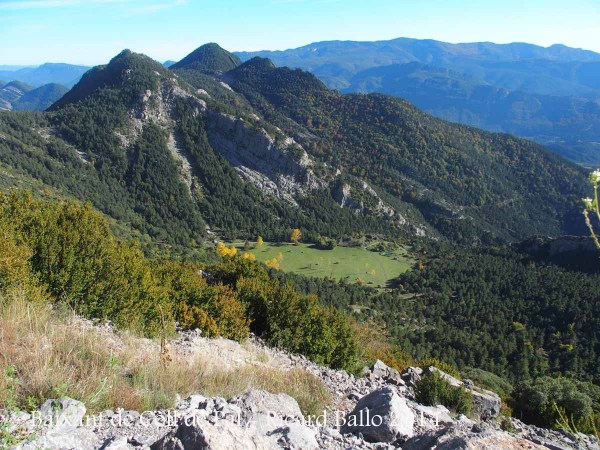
x=250 y=148
x=59 y=73
x=550 y=95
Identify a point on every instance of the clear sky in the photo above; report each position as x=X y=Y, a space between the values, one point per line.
x=92 y=31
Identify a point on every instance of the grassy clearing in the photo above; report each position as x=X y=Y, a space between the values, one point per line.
x=373 y=268
x=46 y=354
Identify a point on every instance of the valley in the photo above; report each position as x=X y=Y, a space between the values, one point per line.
x=351 y=264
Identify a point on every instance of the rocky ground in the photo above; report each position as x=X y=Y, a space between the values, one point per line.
x=375 y=411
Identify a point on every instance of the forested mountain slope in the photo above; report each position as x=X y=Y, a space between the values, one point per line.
x=261 y=150
x=465 y=181
x=549 y=94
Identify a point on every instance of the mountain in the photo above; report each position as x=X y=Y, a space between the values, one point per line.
x=20 y=96
x=40 y=98
x=261 y=150
x=12 y=92
x=169 y=63
x=209 y=57
x=550 y=95
x=65 y=74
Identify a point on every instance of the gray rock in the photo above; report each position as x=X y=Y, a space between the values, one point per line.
x=381 y=416
x=380 y=371
x=436 y=414
x=223 y=435
x=279 y=405
x=412 y=376
x=62 y=413
x=486 y=404
x=62 y=438
x=117 y=444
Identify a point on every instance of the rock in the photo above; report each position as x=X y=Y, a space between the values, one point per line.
x=62 y=413
x=449 y=378
x=279 y=405
x=381 y=416
x=197 y=401
x=223 y=435
x=295 y=436
x=388 y=374
x=437 y=414
x=412 y=376
x=62 y=438
x=453 y=438
x=486 y=404
x=117 y=444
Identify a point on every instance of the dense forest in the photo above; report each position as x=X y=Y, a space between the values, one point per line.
x=466 y=182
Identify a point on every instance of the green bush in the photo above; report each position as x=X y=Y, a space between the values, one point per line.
x=489 y=381
x=557 y=402
x=433 y=390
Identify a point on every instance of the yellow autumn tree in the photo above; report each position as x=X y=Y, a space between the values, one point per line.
x=223 y=250
x=296 y=236
x=259 y=242
x=272 y=263
x=249 y=256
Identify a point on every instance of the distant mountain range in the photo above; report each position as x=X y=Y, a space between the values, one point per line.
x=17 y=95
x=65 y=74
x=550 y=95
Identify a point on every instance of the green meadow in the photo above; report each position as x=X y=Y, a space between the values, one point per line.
x=353 y=263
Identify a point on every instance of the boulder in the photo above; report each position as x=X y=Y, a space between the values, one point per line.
x=62 y=438
x=381 y=416
x=455 y=438
x=58 y=422
x=279 y=405
x=436 y=414
x=486 y=404
x=195 y=434
x=380 y=371
x=412 y=376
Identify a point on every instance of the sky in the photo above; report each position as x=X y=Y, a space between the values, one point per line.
x=91 y=32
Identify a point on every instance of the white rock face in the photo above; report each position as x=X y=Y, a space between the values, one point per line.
x=279 y=168
x=381 y=416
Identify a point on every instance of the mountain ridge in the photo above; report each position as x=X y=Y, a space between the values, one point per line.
x=554 y=91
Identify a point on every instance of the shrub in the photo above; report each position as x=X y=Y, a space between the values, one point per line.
x=72 y=251
x=489 y=381
x=556 y=402
x=433 y=389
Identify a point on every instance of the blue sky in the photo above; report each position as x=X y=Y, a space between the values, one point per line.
x=92 y=31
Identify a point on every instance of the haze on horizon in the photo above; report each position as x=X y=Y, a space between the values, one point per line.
x=93 y=31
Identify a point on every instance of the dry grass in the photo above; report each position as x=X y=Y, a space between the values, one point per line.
x=47 y=354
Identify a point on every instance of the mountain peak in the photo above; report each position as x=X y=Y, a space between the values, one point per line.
x=209 y=57
x=131 y=71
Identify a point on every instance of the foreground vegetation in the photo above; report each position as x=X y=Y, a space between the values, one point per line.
x=50 y=352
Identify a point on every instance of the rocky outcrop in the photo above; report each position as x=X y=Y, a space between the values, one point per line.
x=380 y=371
x=381 y=416
x=363 y=199
x=278 y=167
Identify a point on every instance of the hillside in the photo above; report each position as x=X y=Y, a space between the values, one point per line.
x=261 y=150
x=19 y=96
x=466 y=182
x=549 y=94
x=11 y=93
